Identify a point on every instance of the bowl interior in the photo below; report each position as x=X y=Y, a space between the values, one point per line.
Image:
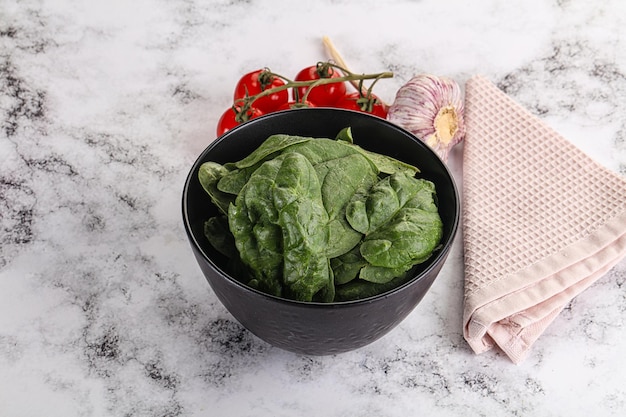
x=369 y=132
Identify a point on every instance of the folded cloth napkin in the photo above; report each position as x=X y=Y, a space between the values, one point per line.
x=541 y=222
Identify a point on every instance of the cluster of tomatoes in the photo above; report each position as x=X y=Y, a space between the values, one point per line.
x=331 y=94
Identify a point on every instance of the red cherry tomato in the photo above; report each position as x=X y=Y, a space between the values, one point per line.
x=229 y=119
x=372 y=105
x=295 y=105
x=256 y=82
x=322 y=95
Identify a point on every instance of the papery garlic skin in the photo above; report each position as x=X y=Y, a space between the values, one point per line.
x=431 y=108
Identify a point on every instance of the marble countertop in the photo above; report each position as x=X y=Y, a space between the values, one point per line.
x=104 y=106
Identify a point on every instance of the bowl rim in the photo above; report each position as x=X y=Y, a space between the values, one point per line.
x=441 y=253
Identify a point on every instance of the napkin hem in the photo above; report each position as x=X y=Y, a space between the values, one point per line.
x=515 y=341
x=602 y=237
x=553 y=281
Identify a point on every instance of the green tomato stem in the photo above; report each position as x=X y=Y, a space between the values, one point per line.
x=314 y=83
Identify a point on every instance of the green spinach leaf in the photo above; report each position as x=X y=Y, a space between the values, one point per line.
x=209 y=174
x=280 y=228
x=359 y=289
x=342 y=171
x=270 y=146
x=219 y=236
x=401 y=224
x=383 y=163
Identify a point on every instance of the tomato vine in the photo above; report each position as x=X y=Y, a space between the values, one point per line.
x=264 y=91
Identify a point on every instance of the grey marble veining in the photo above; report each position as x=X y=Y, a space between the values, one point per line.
x=105 y=106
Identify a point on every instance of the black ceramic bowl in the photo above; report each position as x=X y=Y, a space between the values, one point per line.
x=319 y=328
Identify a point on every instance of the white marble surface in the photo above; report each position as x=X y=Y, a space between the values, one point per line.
x=105 y=105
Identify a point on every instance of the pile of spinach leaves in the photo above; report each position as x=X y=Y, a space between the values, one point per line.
x=316 y=219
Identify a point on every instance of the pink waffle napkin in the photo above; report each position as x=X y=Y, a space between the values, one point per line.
x=541 y=222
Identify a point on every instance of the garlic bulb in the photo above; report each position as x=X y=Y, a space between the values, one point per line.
x=431 y=108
